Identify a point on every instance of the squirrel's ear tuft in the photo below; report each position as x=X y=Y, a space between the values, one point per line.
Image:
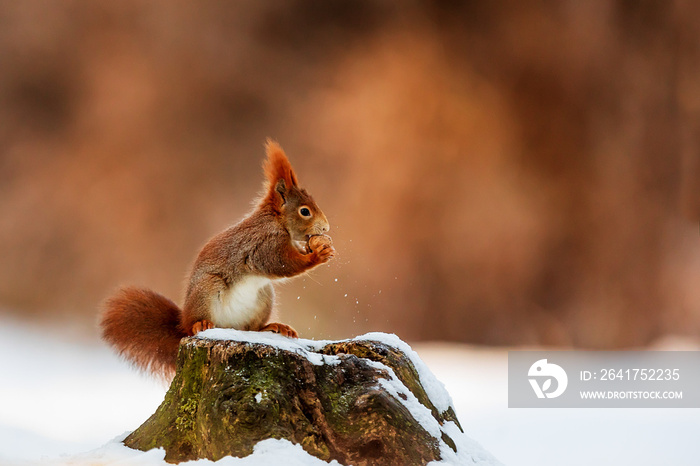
x=277 y=166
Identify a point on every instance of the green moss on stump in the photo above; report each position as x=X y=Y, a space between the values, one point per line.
x=228 y=395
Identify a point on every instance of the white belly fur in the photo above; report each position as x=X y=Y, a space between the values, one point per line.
x=237 y=306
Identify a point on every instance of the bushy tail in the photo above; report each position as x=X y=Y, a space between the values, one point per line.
x=144 y=327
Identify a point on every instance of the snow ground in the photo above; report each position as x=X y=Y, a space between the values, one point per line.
x=66 y=402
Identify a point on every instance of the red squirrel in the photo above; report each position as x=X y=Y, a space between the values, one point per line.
x=231 y=280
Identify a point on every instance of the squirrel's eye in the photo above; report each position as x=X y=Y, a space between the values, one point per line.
x=305 y=212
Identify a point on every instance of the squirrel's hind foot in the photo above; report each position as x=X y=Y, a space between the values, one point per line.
x=200 y=326
x=282 y=329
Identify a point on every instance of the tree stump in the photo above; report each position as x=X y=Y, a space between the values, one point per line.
x=368 y=400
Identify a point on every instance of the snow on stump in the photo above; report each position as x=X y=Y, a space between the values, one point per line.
x=369 y=400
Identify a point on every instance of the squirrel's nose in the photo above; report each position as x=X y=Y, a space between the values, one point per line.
x=323 y=225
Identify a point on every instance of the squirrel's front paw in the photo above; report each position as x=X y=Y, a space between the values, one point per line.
x=322 y=246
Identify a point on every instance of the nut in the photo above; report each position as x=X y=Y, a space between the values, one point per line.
x=317 y=242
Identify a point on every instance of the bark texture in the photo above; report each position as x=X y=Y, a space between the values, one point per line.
x=339 y=401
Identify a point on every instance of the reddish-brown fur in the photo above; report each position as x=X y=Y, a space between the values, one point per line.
x=146 y=327
x=277 y=166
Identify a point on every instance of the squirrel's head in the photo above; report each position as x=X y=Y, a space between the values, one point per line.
x=302 y=217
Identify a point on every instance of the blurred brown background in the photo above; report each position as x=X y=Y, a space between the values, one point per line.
x=494 y=172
